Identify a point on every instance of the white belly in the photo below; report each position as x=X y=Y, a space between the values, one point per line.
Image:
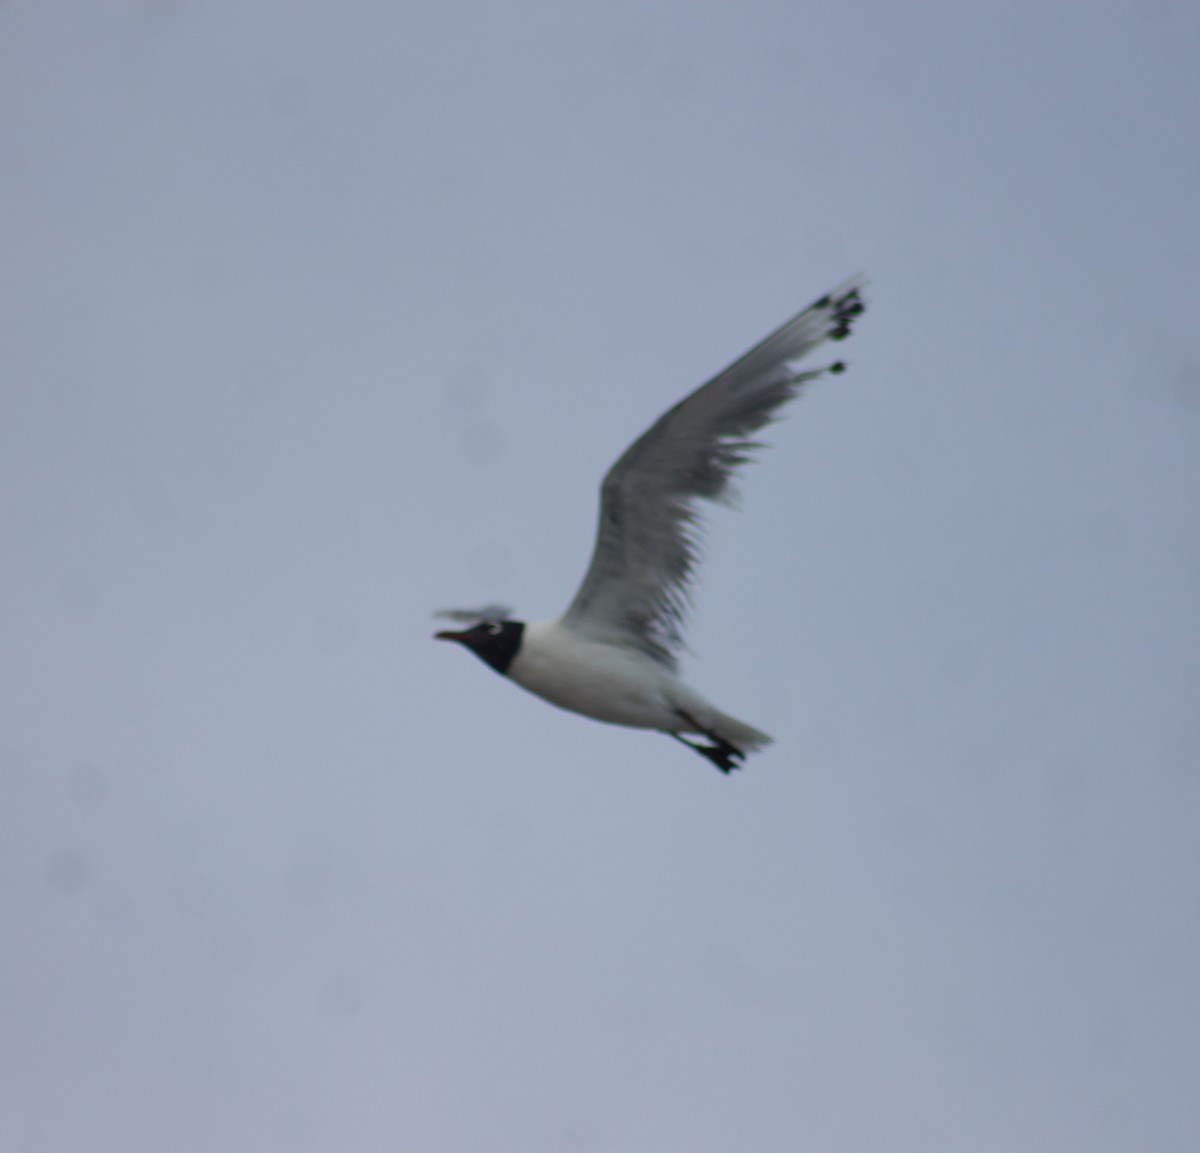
x=611 y=684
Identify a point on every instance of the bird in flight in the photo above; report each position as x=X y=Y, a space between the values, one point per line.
x=613 y=655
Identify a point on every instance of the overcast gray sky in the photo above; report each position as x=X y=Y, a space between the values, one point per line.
x=319 y=317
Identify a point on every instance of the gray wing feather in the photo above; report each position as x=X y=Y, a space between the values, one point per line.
x=474 y=616
x=637 y=587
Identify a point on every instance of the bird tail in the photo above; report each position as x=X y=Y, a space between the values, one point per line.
x=739 y=734
x=703 y=719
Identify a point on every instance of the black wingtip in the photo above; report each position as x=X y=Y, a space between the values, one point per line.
x=846 y=309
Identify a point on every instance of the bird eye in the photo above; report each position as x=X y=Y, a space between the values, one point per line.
x=494 y=628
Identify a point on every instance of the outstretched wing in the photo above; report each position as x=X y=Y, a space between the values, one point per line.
x=637 y=588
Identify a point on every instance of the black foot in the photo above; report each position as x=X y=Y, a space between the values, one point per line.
x=725 y=756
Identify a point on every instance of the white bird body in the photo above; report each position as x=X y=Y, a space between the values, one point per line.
x=612 y=655
x=616 y=684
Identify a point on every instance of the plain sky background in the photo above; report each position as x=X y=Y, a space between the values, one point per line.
x=318 y=317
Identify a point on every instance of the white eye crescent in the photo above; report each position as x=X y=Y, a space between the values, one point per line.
x=494 y=628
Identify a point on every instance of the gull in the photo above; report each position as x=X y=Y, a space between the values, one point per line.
x=613 y=655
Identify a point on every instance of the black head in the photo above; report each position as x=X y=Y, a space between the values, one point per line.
x=495 y=642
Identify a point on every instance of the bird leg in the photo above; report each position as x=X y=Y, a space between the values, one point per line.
x=725 y=756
